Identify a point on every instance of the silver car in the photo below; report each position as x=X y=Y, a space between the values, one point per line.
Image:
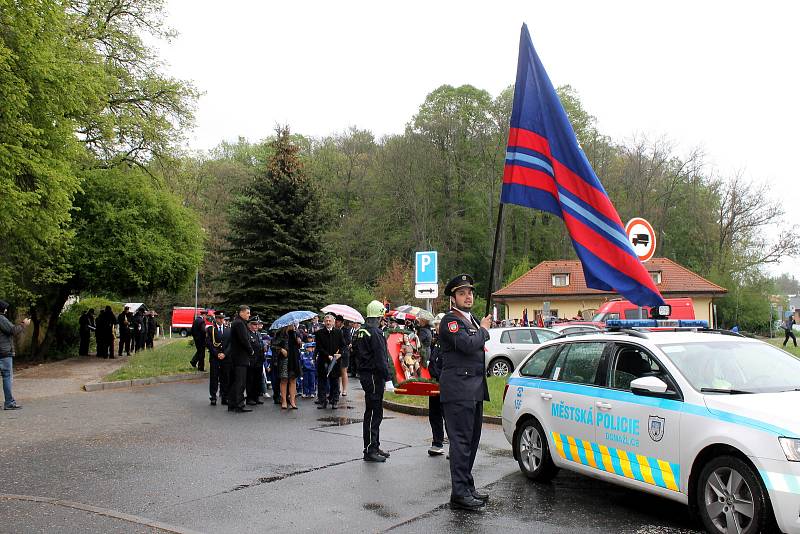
x=509 y=346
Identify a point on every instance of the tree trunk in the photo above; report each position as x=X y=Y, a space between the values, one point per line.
x=47 y=310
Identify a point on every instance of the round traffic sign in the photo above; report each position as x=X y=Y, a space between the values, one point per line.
x=642 y=238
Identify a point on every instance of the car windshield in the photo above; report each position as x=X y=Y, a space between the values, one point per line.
x=743 y=367
x=599 y=317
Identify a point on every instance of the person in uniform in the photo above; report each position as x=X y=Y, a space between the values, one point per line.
x=152 y=327
x=241 y=353
x=463 y=388
x=256 y=369
x=124 y=321
x=199 y=336
x=369 y=347
x=85 y=327
x=218 y=368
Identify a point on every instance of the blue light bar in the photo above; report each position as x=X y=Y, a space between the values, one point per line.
x=654 y=323
x=693 y=323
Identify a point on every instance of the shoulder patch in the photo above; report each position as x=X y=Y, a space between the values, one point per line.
x=452 y=326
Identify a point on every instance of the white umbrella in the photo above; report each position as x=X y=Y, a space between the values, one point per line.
x=349 y=314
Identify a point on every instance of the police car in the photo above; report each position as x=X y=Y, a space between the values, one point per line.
x=707 y=418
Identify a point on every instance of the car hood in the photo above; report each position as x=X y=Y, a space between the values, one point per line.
x=768 y=411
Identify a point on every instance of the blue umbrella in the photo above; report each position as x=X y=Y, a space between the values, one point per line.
x=291 y=317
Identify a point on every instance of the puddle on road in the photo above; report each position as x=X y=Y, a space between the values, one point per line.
x=380 y=509
x=339 y=420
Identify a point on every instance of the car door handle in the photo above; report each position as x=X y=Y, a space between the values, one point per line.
x=546 y=396
x=603 y=405
x=512 y=348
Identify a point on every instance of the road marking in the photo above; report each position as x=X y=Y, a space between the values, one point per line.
x=101 y=511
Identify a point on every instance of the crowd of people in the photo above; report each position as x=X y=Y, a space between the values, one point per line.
x=135 y=331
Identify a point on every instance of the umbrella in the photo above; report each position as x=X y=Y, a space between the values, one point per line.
x=291 y=317
x=401 y=316
x=347 y=312
x=416 y=311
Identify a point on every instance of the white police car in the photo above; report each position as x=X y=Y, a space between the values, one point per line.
x=706 y=418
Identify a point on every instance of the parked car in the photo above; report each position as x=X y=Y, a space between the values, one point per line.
x=508 y=346
x=682 y=308
x=700 y=417
x=182 y=318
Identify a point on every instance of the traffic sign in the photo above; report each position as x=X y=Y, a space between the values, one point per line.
x=426 y=291
x=427 y=271
x=642 y=238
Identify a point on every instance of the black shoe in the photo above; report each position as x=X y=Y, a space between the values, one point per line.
x=259 y=402
x=193 y=363
x=334 y=405
x=322 y=406
x=13 y=407
x=224 y=402
x=466 y=503
x=251 y=403
x=213 y=402
x=383 y=453
x=373 y=457
x=316 y=401
x=201 y=369
x=243 y=410
x=480 y=496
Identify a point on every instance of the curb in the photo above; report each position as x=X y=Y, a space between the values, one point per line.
x=420 y=411
x=101 y=386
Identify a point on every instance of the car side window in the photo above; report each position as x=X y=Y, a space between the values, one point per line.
x=581 y=362
x=545 y=335
x=629 y=363
x=537 y=364
x=522 y=337
x=505 y=337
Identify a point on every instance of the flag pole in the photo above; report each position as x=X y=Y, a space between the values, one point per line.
x=494 y=258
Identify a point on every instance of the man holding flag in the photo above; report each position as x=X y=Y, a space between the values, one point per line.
x=546 y=169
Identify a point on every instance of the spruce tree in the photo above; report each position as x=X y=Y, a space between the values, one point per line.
x=276 y=260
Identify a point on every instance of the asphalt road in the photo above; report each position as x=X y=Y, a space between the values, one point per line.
x=160 y=459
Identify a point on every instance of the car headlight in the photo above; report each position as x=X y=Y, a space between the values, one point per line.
x=791 y=447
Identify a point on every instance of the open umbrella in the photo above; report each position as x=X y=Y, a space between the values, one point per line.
x=401 y=316
x=289 y=318
x=349 y=314
x=416 y=311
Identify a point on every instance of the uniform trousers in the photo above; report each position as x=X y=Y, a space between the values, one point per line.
x=327 y=385
x=199 y=355
x=83 y=348
x=139 y=341
x=436 y=419
x=789 y=334
x=255 y=380
x=218 y=378
x=237 y=385
x=124 y=343
x=309 y=381
x=464 y=420
x=373 y=386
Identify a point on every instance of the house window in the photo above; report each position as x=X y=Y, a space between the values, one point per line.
x=656 y=276
x=560 y=280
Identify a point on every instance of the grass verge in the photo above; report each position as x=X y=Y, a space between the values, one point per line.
x=494 y=407
x=790 y=348
x=170 y=359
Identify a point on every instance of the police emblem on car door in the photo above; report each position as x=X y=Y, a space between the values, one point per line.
x=655 y=427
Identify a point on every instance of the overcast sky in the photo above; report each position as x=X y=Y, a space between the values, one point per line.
x=719 y=75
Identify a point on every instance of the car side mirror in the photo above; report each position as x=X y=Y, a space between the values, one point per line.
x=648 y=386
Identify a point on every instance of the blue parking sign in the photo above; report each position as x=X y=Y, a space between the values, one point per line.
x=427 y=271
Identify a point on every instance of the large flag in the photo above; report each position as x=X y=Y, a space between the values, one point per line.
x=546 y=169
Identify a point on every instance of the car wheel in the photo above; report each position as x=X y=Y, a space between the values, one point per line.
x=500 y=367
x=534 y=452
x=184 y=332
x=731 y=498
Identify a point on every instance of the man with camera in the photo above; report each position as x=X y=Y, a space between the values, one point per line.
x=7 y=332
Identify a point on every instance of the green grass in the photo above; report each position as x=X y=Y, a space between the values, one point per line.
x=790 y=348
x=170 y=359
x=494 y=407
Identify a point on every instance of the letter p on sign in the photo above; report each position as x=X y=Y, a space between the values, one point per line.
x=426 y=267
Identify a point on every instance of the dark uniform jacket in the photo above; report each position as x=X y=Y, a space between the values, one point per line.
x=214 y=340
x=328 y=343
x=240 y=350
x=369 y=347
x=124 y=321
x=198 y=329
x=463 y=375
x=258 y=348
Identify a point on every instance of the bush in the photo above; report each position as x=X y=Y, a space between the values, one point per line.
x=67 y=337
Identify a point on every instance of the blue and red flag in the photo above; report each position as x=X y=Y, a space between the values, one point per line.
x=546 y=169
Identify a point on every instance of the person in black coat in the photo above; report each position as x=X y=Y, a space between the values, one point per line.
x=463 y=388
x=330 y=345
x=256 y=369
x=286 y=357
x=199 y=336
x=241 y=353
x=219 y=370
x=105 y=333
x=124 y=321
x=152 y=328
x=85 y=327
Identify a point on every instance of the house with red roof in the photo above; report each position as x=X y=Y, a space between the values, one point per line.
x=561 y=284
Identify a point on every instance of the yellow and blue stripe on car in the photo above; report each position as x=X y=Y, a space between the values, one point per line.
x=626 y=464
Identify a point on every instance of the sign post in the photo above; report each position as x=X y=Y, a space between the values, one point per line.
x=426 y=276
x=642 y=238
